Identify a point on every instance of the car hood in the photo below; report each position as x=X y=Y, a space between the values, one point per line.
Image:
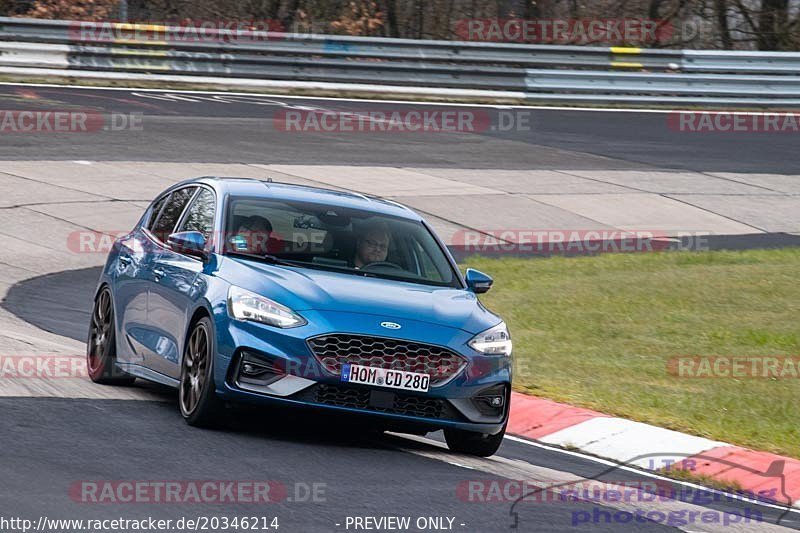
x=305 y=289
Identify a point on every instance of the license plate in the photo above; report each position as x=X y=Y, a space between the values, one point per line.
x=384 y=377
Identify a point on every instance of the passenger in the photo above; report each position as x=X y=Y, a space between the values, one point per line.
x=254 y=233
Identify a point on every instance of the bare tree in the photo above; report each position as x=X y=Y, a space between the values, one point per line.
x=727 y=24
x=721 y=8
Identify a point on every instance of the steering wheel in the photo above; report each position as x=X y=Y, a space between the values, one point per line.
x=380 y=264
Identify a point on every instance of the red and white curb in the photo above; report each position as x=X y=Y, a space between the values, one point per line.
x=654 y=448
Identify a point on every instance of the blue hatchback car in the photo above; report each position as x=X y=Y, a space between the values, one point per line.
x=240 y=290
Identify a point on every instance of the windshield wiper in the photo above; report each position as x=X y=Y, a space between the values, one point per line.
x=275 y=260
x=268 y=258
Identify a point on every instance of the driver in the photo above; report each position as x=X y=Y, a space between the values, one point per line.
x=372 y=246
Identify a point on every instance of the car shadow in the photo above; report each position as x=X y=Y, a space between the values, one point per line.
x=61 y=303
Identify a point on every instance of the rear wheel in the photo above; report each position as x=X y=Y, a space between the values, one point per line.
x=473 y=443
x=101 y=346
x=197 y=398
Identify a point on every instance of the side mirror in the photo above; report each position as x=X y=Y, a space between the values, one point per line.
x=188 y=242
x=477 y=281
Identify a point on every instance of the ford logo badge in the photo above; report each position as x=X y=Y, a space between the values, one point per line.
x=390 y=325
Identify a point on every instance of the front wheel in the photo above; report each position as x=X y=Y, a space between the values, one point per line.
x=197 y=398
x=473 y=443
x=101 y=346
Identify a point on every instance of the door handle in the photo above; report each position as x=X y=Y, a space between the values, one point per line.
x=158 y=273
x=124 y=260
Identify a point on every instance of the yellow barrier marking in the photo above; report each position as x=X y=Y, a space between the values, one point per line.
x=625 y=50
x=149 y=53
x=143 y=27
x=134 y=41
x=139 y=64
x=625 y=64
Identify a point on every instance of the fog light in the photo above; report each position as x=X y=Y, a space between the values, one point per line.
x=257 y=370
x=491 y=401
x=496 y=401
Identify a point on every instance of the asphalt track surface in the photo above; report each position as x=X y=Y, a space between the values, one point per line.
x=241 y=130
x=47 y=445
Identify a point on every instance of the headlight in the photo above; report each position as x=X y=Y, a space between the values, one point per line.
x=493 y=341
x=244 y=305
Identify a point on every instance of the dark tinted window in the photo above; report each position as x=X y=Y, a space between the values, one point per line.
x=172 y=212
x=156 y=210
x=200 y=216
x=336 y=238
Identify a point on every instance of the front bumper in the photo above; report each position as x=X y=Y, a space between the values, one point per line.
x=300 y=380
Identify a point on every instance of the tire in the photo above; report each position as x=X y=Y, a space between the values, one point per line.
x=197 y=398
x=101 y=345
x=473 y=443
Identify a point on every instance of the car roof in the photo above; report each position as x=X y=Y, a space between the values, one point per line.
x=256 y=188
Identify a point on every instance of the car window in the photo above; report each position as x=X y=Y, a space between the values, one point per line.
x=274 y=227
x=427 y=265
x=200 y=216
x=333 y=237
x=165 y=224
x=156 y=211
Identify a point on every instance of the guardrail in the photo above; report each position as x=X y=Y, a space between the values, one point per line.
x=532 y=72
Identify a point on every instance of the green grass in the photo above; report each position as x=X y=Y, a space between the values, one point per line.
x=705 y=480
x=598 y=332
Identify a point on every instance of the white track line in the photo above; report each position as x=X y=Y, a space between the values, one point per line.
x=367 y=100
x=519 y=470
x=645 y=473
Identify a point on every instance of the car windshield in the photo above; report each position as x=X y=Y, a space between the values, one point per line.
x=327 y=237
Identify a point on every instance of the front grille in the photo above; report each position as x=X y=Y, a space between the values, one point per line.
x=412 y=405
x=381 y=401
x=342 y=397
x=333 y=351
